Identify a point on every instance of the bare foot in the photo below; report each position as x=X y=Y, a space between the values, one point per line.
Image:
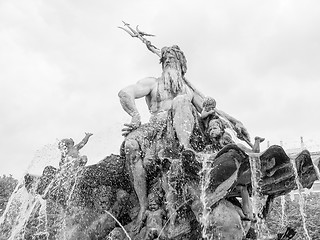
x=256 y=146
x=259 y=139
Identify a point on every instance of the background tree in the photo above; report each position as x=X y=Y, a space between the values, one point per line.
x=277 y=221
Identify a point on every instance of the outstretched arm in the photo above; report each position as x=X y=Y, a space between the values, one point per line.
x=127 y=99
x=205 y=114
x=241 y=131
x=84 y=141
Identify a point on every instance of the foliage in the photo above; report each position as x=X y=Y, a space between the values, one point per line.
x=310 y=206
x=7 y=185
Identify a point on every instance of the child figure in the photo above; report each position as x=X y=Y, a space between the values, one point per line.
x=208 y=110
x=69 y=164
x=154 y=218
x=70 y=152
x=214 y=126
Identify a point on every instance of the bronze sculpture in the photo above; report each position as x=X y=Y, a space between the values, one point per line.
x=177 y=177
x=173 y=107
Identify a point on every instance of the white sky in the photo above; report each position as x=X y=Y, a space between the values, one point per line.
x=63 y=62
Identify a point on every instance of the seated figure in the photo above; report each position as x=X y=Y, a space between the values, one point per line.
x=70 y=152
x=174 y=105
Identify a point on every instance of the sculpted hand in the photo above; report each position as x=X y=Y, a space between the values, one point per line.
x=212 y=111
x=129 y=127
x=89 y=134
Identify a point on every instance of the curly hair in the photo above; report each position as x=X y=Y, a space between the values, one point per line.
x=209 y=102
x=179 y=55
x=65 y=141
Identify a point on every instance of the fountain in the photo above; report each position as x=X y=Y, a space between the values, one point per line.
x=180 y=176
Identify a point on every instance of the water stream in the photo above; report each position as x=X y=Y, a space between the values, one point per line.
x=316 y=167
x=23 y=209
x=26 y=211
x=204 y=182
x=301 y=199
x=283 y=213
x=258 y=200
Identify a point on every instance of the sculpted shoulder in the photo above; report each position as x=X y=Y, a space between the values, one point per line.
x=140 y=89
x=148 y=82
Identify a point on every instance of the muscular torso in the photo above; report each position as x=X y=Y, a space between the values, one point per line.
x=160 y=100
x=73 y=152
x=155 y=219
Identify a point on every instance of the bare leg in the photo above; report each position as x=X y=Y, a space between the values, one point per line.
x=183 y=119
x=246 y=203
x=246 y=213
x=138 y=174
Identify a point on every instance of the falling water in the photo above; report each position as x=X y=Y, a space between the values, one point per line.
x=301 y=198
x=257 y=198
x=22 y=209
x=26 y=211
x=122 y=227
x=283 y=214
x=316 y=167
x=204 y=183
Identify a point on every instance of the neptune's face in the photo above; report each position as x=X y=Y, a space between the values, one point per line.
x=170 y=61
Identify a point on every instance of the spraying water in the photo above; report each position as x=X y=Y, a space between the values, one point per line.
x=23 y=209
x=27 y=215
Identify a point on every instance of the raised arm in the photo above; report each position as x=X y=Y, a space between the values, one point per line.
x=127 y=99
x=205 y=114
x=84 y=141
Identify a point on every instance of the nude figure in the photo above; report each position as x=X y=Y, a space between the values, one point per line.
x=167 y=97
x=70 y=152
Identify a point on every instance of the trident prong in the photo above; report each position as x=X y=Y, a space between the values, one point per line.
x=139 y=34
x=143 y=33
x=130 y=33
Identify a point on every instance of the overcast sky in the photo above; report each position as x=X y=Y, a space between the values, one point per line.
x=63 y=62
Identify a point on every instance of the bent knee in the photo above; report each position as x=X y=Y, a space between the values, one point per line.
x=132 y=150
x=131 y=145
